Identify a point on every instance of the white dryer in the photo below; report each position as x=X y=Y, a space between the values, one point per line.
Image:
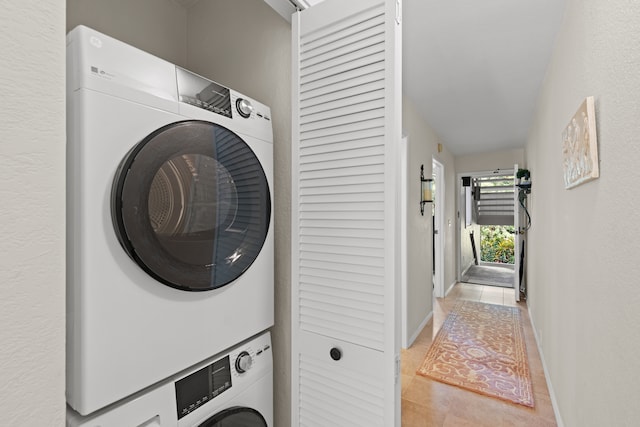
x=170 y=231
x=232 y=389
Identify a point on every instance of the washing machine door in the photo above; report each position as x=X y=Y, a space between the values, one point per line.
x=236 y=417
x=191 y=205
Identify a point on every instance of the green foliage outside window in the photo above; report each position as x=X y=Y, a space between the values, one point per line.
x=497 y=244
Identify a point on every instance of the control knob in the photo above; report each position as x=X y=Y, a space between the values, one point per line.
x=244 y=107
x=243 y=362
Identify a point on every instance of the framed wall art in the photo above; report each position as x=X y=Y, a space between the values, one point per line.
x=580 y=146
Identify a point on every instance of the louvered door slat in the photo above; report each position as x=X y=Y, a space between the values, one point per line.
x=337 y=121
x=340 y=164
x=368 y=45
x=342 y=258
x=370 y=282
x=351 y=25
x=331 y=290
x=355 y=140
x=338 y=189
x=341 y=223
x=340 y=110
x=345 y=64
x=375 y=86
x=346 y=77
x=318 y=175
x=339 y=88
x=333 y=105
x=329 y=154
x=351 y=334
x=320 y=294
x=337 y=286
x=367 y=323
x=335 y=250
x=347 y=242
x=346 y=215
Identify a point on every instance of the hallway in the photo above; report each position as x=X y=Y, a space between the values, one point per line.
x=427 y=403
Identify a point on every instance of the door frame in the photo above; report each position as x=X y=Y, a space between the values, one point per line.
x=439 y=229
x=404 y=187
x=517 y=238
x=461 y=205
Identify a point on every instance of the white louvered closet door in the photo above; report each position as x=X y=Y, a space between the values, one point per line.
x=345 y=201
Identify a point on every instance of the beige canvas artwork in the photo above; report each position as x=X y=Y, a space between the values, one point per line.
x=580 y=146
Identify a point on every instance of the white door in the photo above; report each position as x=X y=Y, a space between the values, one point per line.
x=404 y=184
x=438 y=229
x=517 y=246
x=345 y=202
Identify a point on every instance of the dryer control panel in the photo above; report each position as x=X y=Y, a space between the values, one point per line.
x=202 y=386
x=222 y=378
x=203 y=93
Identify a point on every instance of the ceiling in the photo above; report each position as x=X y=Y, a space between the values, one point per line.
x=473 y=69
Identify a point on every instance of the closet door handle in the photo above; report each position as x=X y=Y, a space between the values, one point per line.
x=335 y=353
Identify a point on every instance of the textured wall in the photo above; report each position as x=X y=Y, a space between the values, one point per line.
x=466 y=249
x=583 y=247
x=503 y=159
x=246 y=45
x=422 y=145
x=155 y=26
x=32 y=190
x=420 y=140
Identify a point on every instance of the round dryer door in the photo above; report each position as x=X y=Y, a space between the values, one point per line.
x=191 y=205
x=236 y=417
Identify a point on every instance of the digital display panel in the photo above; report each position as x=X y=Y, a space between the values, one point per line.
x=202 y=386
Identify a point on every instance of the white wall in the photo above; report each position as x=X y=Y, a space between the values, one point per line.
x=155 y=26
x=502 y=159
x=32 y=190
x=422 y=146
x=583 y=270
x=420 y=138
x=244 y=44
x=466 y=249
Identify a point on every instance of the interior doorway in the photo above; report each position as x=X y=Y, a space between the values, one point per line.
x=486 y=244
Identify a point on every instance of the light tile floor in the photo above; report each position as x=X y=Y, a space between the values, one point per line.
x=427 y=403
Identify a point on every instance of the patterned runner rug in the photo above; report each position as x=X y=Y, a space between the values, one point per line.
x=481 y=348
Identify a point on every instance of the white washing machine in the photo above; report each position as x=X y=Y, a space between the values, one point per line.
x=170 y=230
x=233 y=389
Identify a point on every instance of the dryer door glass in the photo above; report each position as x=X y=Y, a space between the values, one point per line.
x=236 y=417
x=191 y=205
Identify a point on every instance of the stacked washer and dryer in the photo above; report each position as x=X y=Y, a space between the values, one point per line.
x=170 y=244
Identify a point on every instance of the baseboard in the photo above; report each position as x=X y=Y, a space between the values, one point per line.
x=450 y=288
x=419 y=329
x=466 y=269
x=552 y=393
